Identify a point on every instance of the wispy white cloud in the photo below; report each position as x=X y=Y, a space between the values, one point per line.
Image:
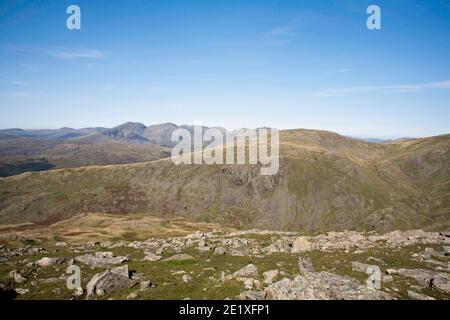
x=108 y=87
x=27 y=66
x=281 y=31
x=69 y=54
x=64 y=53
x=279 y=36
x=22 y=94
x=19 y=82
x=334 y=72
x=155 y=88
x=404 y=88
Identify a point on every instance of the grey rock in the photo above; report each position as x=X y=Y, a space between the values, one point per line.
x=219 y=250
x=322 y=286
x=418 y=296
x=151 y=257
x=132 y=296
x=100 y=260
x=301 y=244
x=425 y=278
x=17 y=277
x=107 y=282
x=61 y=244
x=22 y=291
x=359 y=266
x=250 y=283
x=50 y=261
x=179 y=257
x=186 y=278
x=269 y=276
x=249 y=271
x=78 y=292
x=305 y=265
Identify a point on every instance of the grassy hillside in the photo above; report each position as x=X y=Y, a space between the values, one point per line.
x=325 y=182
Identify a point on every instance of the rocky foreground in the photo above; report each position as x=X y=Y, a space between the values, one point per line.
x=237 y=265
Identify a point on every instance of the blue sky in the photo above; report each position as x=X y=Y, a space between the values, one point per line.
x=285 y=64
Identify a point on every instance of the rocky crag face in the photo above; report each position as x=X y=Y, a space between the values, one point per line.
x=240 y=264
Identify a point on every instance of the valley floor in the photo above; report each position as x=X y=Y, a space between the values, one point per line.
x=227 y=264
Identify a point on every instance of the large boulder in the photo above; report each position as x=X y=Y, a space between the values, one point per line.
x=108 y=282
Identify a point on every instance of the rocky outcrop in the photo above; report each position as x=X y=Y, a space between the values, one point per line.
x=322 y=286
x=108 y=282
x=425 y=278
x=100 y=259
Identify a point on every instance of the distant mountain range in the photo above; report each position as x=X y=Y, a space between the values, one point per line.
x=36 y=150
x=326 y=182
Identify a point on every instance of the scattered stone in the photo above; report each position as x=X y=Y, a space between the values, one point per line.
x=78 y=292
x=104 y=255
x=180 y=257
x=219 y=250
x=17 y=277
x=106 y=244
x=151 y=257
x=301 y=244
x=305 y=266
x=50 y=261
x=144 y=284
x=322 y=286
x=359 y=266
x=375 y=259
x=419 y=296
x=132 y=296
x=22 y=291
x=425 y=278
x=249 y=271
x=269 y=276
x=186 y=278
x=61 y=244
x=100 y=260
x=251 y=284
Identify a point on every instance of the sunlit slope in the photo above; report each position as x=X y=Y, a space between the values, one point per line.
x=325 y=182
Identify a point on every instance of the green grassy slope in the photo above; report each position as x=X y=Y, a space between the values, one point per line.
x=326 y=182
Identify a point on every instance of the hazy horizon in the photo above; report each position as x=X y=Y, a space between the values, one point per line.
x=357 y=136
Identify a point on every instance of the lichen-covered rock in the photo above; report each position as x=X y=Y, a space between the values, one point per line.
x=249 y=271
x=151 y=257
x=418 y=296
x=107 y=282
x=180 y=257
x=100 y=260
x=301 y=244
x=322 y=286
x=305 y=266
x=359 y=266
x=50 y=261
x=269 y=276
